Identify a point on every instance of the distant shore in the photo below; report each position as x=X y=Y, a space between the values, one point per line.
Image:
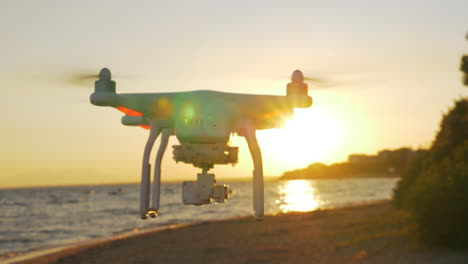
x=371 y=233
x=386 y=163
x=355 y=176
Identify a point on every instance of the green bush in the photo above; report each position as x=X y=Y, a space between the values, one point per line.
x=408 y=177
x=434 y=188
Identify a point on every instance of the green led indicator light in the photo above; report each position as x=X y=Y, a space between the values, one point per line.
x=189 y=112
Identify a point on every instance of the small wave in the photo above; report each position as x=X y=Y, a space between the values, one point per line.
x=20 y=204
x=11 y=203
x=116 y=192
x=19 y=240
x=119 y=211
x=168 y=191
x=127 y=230
x=172 y=205
x=60 y=201
x=54 y=201
x=89 y=192
x=55 y=231
x=8 y=255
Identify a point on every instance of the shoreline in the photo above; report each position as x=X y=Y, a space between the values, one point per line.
x=78 y=246
x=27 y=255
x=373 y=232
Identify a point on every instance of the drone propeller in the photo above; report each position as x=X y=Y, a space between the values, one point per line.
x=83 y=79
x=87 y=79
x=335 y=80
x=315 y=79
x=298 y=77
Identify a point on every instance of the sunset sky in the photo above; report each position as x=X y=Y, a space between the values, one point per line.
x=394 y=66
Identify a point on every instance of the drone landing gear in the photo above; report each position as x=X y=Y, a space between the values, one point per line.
x=153 y=212
x=204 y=156
x=258 y=193
x=145 y=210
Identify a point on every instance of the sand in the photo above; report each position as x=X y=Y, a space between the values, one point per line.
x=372 y=233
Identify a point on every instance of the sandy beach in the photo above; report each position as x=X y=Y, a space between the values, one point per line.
x=371 y=233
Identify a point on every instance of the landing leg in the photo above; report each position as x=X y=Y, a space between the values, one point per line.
x=153 y=212
x=146 y=170
x=257 y=172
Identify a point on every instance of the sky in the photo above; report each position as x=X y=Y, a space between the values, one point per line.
x=393 y=66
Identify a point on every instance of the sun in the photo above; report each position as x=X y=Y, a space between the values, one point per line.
x=310 y=136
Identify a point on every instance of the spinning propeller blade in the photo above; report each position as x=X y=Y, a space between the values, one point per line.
x=332 y=80
x=315 y=80
x=87 y=79
x=83 y=79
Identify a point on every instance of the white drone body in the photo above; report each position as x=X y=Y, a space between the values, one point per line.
x=203 y=122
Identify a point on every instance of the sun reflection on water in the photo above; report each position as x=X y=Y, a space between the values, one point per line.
x=298 y=196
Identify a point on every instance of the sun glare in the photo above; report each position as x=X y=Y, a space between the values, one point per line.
x=308 y=137
x=298 y=196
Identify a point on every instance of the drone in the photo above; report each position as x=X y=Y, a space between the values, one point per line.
x=203 y=122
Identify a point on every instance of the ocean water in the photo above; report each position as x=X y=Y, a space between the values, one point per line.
x=40 y=218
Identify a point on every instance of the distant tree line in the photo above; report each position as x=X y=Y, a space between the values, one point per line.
x=464 y=69
x=387 y=163
x=464 y=66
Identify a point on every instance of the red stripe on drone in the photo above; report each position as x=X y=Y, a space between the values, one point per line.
x=128 y=111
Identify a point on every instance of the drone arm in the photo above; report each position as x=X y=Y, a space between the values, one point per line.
x=145 y=172
x=249 y=134
x=157 y=169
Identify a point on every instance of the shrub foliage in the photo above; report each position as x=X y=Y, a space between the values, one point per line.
x=434 y=188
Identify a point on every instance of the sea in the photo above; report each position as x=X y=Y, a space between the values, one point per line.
x=41 y=218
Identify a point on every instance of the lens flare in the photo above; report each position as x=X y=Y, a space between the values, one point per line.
x=162 y=108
